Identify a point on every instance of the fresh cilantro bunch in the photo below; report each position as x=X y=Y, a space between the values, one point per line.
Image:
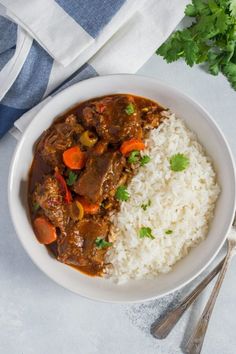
x=210 y=39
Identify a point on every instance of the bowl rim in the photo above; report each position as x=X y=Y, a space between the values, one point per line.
x=173 y=89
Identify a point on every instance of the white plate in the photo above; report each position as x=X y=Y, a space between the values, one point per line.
x=208 y=134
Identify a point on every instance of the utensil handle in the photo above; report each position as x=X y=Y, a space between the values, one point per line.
x=166 y=324
x=194 y=344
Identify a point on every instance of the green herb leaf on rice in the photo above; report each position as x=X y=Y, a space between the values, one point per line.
x=179 y=162
x=146 y=232
x=134 y=156
x=122 y=194
x=144 y=160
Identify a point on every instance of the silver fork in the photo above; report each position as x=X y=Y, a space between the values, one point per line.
x=195 y=342
x=162 y=327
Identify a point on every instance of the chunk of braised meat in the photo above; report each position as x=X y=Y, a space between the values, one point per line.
x=78 y=247
x=58 y=138
x=109 y=117
x=100 y=147
x=101 y=176
x=49 y=197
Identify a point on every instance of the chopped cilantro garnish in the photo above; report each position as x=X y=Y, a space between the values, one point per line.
x=130 y=109
x=134 y=156
x=122 y=193
x=101 y=243
x=36 y=206
x=72 y=177
x=146 y=232
x=168 y=232
x=179 y=162
x=144 y=206
x=144 y=160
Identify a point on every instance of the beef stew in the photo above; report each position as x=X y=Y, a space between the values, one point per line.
x=81 y=163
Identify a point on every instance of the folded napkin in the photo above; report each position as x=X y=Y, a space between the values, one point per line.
x=47 y=45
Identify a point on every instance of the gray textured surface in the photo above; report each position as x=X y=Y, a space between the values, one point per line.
x=39 y=317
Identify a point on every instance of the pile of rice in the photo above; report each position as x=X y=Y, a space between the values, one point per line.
x=180 y=201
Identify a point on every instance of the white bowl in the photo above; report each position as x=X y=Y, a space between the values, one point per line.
x=208 y=134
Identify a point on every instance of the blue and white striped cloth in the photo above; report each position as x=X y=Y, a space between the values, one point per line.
x=47 y=45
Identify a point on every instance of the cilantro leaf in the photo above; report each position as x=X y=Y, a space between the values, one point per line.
x=203 y=50
x=101 y=243
x=144 y=206
x=222 y=20
x=122 y=194
x=230 y=50
x=206 y=28
x=201 y=7
x=146 y=232
x=179 y=162
x=232 y=8
x=130 y=109
x=72 y=177
x=190 y=52
x=168 y=232
x=134 y=156
x=230 y=72
x=144 y=160
x=190 y=10
x=36 y=206
x=172 y=49
x=214 y=61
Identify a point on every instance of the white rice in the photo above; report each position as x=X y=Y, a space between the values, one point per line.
x=180 y=201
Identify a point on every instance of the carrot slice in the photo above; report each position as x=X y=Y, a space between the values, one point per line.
x=89 y=208
x=66 y=192
x=44 y=230
x=130 y=145
x=74 y=158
